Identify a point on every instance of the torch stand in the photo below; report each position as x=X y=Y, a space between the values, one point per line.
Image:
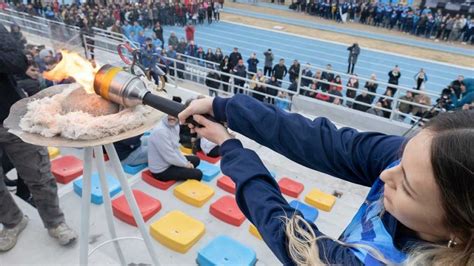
x=86 y=196
x=12 y=122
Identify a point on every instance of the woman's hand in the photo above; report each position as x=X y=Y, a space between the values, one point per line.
x=199 y=106
x=212 y=131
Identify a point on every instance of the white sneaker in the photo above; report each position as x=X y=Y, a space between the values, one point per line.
x=63 y=233
x=9 y=236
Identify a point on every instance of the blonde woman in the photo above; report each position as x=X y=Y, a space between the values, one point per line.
x=420 y=209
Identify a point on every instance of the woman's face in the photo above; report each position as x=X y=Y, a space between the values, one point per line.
x=411 y=194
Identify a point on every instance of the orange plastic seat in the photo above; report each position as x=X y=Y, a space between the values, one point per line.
x=227 y=210
x=290 y=187
x=66 y=168
x=149 y=179
x=147 y=205
x=206 y=158
x=226 y=184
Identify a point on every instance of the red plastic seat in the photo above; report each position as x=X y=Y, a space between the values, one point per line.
x=226 y=184
x=290 y=187
x=227 y=210
x=163 y=185
x=148 y=206
x=66 y=168
x=206 y=158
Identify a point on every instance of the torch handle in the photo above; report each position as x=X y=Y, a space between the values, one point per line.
x=170 y=107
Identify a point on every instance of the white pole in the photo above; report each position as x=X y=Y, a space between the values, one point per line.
x=85 y=207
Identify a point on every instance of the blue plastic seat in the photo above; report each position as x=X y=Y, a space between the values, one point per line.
x=224 y=250
x=134 y=169
x=310 y=214
x=96 y=190
x=209 y=171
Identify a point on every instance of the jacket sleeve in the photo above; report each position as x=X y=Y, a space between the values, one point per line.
x=12 y=59
x=318 y=144
x=260 y=199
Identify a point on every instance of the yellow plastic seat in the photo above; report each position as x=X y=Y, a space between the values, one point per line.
x=177 y=231
x=185 y=150
x=194 y=192
x=320 y=200
x=53 y=152
x=254 y=231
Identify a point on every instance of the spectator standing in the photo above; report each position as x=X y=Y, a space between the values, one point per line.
x=217 y=11
x=241 y=71
x=327 y=76
x=234 y=57
x=31 y=161
x=258 y=85
x=218 y=57
x=386 y=102
x=182 y=46
x=252 y=65
x=354 y=52
x=158 y=30
x=351 y=92
x=405 y=107
x=307 y=74
x=273 y=81
x=226 y=68
x=209 y=14
x=213 y=83
x=189 y=30
x=267 y=70
x=210 y=57
x=173 y=40
x=393 y=77
x=280 y=70
x=421 y=78
x=371 y=85
x=294 y=71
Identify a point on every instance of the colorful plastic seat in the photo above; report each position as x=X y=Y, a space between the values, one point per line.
x=224 y=250
x=193 y=192
x=209 y=171
x=185 y=150
x=206 y=158
x=290 y=187
x=149 y=179
x=226 y=184
x=66 y=168
x=320 y=200
x=227 y=210
x=177 y=231
x=148 y=206
x=134 y=169
x=53 y=152
x=96 y=190
x=254 y=231
x=310 y=214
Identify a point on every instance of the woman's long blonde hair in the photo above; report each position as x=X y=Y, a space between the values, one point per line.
x=452 y=159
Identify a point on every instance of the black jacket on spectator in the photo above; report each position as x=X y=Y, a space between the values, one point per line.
x=361 y=98
x=279 y=71
x=212 y=80
x=456 y=85
x=125 y=147
x=12 y=61
x=234 y=58
x=294 y=71
x=252 y=62
x=371 y=87
x=328 y=77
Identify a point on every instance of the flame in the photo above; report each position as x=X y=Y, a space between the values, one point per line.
x=75 y=66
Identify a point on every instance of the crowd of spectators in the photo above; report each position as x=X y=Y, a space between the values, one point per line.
x=140 y=25
x=424 y=22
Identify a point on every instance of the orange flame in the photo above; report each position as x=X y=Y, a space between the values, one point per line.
x=75 y=66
